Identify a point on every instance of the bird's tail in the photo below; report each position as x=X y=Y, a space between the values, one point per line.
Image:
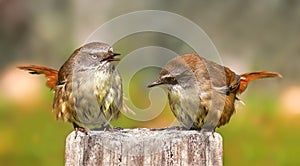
x=51 y=74
x=247 y=77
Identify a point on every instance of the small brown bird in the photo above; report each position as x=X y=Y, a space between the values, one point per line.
x=202 y=93
x=88 y=88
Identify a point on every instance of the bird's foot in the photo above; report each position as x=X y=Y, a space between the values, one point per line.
x=113 y=129
x=176 y=128
x=212 y=130
x=81 y=129
x=108 y=128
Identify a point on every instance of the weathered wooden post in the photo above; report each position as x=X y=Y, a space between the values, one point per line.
x=144 y=147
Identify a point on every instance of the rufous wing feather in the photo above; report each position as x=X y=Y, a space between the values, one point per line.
x=51 y=74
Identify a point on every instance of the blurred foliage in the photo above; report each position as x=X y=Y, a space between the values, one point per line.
x=250 y=35
x=30 y=135
x=258 y=134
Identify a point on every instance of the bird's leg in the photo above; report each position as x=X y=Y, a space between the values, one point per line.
x=209 y=129
x=78 y=128
x=107 y=127
x=213 y=132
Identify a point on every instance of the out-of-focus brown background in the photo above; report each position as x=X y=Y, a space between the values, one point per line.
x=250 y=35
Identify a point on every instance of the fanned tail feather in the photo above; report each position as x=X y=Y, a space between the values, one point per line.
x=248 y=77
x=51 y=74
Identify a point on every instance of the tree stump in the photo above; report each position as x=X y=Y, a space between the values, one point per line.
x=144 y=147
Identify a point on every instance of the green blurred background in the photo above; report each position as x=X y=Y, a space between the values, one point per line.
x=250 y=35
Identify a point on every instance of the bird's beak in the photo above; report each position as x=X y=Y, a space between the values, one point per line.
x=155 y=83
x=115 y=59
x=116 y=54
x=111 y=57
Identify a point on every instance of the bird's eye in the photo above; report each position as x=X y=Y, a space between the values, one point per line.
x=171 y=80
x=94 y=56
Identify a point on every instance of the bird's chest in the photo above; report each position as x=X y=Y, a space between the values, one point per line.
x=185 y=104
x=189 y=99
x=88 y=92
x=89 y=88
x=84 y=91
x=190 y=105
x=186 y=99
